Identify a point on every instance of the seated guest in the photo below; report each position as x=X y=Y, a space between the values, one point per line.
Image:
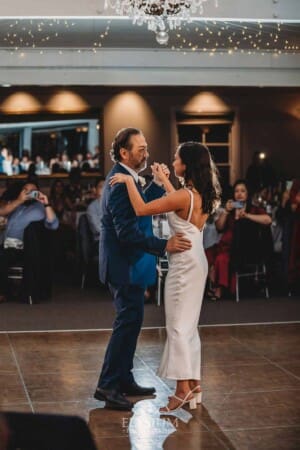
x=25 y=161
x=96 y=157
x=65 y=162
x=211 y=238
x=240 y=208
x=16 y=166
x=59 y=200
x=93 y=210
x=40 y=166
x=7 y=161
x=78 y=160
x=7 y=207
x=289 y=216
x=294 y=260
x=35 y=208
x=88 y=162
x=74 y=189
x=31 y=174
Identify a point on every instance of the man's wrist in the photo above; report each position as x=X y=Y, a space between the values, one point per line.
x=159 y=183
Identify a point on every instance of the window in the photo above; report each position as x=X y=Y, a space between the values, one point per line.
x=214 y=132
x=49 y=135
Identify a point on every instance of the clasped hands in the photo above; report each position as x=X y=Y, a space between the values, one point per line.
x=160 y=173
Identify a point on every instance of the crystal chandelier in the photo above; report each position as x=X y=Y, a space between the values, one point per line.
x=159 y=15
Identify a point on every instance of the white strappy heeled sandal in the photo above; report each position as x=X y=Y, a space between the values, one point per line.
x=198 y=395
x=183 y=401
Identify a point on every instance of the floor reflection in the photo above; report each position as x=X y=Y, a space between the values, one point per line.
x=147 y=429
x=251 y=388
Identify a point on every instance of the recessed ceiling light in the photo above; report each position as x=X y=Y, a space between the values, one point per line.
x=6 y=85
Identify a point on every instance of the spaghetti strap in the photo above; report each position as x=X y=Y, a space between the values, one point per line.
x=191 y=206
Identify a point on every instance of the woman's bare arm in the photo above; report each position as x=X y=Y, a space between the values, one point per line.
x=7 y=209
x=176 y=201
x=159 y=174
x=262 y=219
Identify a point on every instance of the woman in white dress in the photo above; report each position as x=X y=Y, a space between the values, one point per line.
x=188 y=209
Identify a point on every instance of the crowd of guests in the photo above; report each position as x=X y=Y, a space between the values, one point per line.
x=25 y=203
x=260 y=200
x=277 y=210
x=61 y=163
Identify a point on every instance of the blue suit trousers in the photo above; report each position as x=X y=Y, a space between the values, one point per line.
x=118 y=361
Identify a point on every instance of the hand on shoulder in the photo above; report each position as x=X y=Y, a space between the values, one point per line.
x=119 y=178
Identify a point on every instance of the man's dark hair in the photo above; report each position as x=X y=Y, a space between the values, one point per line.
x=122 y=140
x=75 y=175
x=98 y=180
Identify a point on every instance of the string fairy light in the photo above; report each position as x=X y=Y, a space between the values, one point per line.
x=277 y=38
x=208 y=36
x=47 y=34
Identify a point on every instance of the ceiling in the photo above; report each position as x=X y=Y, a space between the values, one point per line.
x=200 y=35
x=71 y=42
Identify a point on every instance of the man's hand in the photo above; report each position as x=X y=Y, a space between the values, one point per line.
x=178 y=243
x=160 y=173
x=23 y=196
x=42 y=198
x=229 y=206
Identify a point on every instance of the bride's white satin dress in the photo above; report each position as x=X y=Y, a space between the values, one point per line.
x=184 y=288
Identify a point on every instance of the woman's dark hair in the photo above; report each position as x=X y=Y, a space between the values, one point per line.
x=75 y=175
x=13 y=191
x=85 y=167
x=249 y=197
x=202 y=173
x=122 y=140
x=53 y=188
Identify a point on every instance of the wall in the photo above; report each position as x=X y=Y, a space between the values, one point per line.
x=265 y=118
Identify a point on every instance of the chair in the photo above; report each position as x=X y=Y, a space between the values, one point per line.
x=35 y=266
x=251 y=251
x=162 y=268
x=85 y=247
x=16 y=272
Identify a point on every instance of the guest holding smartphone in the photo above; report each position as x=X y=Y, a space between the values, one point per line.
x=238 y=208
x=34 y=208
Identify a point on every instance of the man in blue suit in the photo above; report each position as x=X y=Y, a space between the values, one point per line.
x=127 y=256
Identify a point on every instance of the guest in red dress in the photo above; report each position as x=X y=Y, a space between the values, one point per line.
x=294 y=259
x=238 y=208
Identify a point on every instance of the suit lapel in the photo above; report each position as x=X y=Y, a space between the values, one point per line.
x=118 y=168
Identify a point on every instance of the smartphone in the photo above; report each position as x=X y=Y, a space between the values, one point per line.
x=238 y=205
x=288 y=185
x=33 y=194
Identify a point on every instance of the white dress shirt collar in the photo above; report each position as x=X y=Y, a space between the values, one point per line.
x=131 y=171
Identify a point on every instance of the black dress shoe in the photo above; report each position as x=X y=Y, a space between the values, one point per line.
x=113 y=399
x=135 y=389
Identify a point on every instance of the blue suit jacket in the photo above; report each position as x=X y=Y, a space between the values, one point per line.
x=1 y=163
x=127 y=247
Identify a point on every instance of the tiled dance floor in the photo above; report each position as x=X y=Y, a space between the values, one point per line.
x=251 y=384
